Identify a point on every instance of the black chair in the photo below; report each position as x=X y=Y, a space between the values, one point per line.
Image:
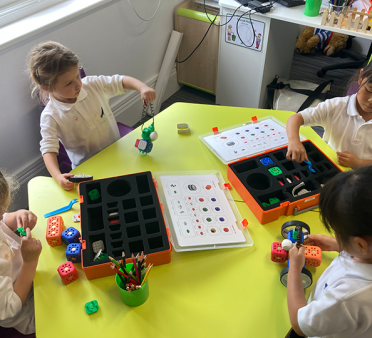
x=359 y=62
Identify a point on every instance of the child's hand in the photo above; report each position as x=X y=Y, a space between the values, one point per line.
x=64 y=182
x=326 y=243
x=297 y=258
x=347 y=159
x=26 y=219
x=147 y=95
x=296 y=152
x=30 y=248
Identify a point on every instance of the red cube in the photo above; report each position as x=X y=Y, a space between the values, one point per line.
x=215 y=130
x=67 y=272
x=278 y=254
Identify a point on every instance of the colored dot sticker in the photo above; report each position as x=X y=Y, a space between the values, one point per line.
x=205 y=209
x=209 y=219
x=253 y=134
x=257 y=128
x=201 y=199
x=213 y=199
x=247 y=130
x=262 y=132
x=226 y=229
x=222 y=219
x=217 y=209
x=237 y=133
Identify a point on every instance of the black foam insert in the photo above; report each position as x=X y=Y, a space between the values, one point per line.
x=262 y=185
x=126 y=217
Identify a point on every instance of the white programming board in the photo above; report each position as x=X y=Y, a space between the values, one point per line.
x=199 y=210
x=246 y=139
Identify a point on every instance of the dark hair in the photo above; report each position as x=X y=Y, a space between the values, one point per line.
x=346 y=204
x=366 y=76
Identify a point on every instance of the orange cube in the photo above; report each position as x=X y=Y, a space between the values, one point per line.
x=313 y=255
x=54 y=230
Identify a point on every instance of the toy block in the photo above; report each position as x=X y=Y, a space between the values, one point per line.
x=94 y=195
x=278 y=254
x=55 y=227
x=227 y=186
x=144 y=146
x=215 y=130
x=70 y=235
x=73 y=252
x=266 y=161
x=67 y=272
x=244 y=223
x=91 y=307
x=275 y=171
x=313 y=256
x=254 y=119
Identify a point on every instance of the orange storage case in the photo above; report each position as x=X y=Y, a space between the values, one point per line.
x=55 y=227
x=255 y=184
x=127 y=216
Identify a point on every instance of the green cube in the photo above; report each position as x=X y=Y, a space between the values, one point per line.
x=91 y=307
x=94 y=195
x=275 y=171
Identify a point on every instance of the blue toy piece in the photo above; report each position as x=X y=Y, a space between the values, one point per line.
x=144 y=146
x=73 y=252
x=266 y=161
x=70 y=235
x=292 y=236
x=310 y=166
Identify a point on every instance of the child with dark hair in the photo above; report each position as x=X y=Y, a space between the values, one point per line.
x=347 y=123
x=340 y=304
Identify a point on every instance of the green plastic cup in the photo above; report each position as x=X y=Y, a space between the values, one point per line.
x=133 y=298
x=312 y=7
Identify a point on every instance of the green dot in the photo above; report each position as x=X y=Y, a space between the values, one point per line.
x=253 y=134
x=262 y=132
x=205 y=209
x=209 y=219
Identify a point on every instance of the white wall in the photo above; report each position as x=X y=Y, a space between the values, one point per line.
x=109 y=40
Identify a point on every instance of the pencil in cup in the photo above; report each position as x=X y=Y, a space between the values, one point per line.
x=339 y=6
x=135 y=297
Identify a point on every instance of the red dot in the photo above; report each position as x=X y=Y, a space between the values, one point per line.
x=266 y=125
x=201 y=233
x=189 y=198
x=202 y=199
x=193 y=209
x=197 y=221
x=199 y=227
x=226 y=229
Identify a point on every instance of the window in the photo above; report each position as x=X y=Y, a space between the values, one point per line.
x=13 y=10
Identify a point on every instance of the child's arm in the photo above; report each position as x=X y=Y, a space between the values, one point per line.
x=348 y=159
x=295 y=290
x=296 y=151
x=30 y=250
x=326 y=243
x=21 y=218
x=147 y=94
x=50 y=160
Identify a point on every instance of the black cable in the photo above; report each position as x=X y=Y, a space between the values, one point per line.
x=201 y=40
x=205 y=10
x=237 y=28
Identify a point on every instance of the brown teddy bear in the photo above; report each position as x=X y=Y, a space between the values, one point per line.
x=313 y=39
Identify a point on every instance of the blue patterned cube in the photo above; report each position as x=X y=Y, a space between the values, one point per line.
x=266 y=161
x=70 y=235
x=73 y=252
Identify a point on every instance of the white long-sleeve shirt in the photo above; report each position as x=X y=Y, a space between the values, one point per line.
x=85 y=127
x=12 y=314
x=344 y=128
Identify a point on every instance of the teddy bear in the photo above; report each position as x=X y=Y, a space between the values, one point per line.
x=313 y=39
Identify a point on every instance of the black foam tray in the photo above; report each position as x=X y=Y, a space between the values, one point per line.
x=262 y=185
x=139 y=225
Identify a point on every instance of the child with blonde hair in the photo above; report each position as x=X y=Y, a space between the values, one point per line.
x=347 y=122
x=18 y=262
x=77 y=111
x=340 y=304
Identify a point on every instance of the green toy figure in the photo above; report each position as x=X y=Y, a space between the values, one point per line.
x=148 y=135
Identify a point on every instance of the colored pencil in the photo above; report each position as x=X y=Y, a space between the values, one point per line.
x=136 y=269
x=121 y=273
x=115 y=262
x=147 y=274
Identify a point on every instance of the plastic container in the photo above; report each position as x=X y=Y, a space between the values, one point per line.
x=133 y=298
x=312 y=7
x=338 y=10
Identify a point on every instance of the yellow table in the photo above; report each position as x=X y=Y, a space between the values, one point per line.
x=214 y=293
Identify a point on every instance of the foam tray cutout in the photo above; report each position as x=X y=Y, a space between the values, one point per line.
x=126 y=217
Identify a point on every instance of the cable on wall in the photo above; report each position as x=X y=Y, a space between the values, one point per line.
x=140 y=16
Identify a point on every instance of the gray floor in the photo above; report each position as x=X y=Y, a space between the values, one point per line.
x=304 y=67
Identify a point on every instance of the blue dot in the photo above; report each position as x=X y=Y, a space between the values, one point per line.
x=222 y=219
x=257 y=128
x=213 y=199
x=217 y=209
x=247 y=130
x=237 y=133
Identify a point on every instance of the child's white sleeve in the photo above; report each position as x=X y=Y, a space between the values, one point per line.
x=328 y=316
x=48 y=130
x=110 y=85
x=318 y=115
x=10 y=303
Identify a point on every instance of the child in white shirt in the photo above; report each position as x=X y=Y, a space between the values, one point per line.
x=18 y=261
x=77 y=111
x=347 y=123
x=340 y=304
